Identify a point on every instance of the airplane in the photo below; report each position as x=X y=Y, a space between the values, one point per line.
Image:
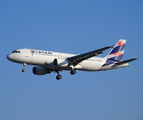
x=47 y=61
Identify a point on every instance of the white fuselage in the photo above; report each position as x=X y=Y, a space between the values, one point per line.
x=46 y=58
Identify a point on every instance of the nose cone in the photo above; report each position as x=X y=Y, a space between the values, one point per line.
x=9 y=57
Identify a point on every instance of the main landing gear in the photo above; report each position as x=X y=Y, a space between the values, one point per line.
x=58 y=76
x=73 y=72
x=23 y=70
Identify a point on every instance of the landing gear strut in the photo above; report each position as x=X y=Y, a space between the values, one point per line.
x=73 y=71
x=23 y=70
x=58 y=76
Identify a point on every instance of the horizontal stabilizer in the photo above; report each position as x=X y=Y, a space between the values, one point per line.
x=125 y=61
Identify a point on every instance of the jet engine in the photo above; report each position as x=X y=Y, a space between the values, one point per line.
x=40 y=71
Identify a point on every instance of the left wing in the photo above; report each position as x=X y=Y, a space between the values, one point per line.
x=79 y=58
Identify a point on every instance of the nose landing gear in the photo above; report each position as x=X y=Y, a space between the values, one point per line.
x=23 y=70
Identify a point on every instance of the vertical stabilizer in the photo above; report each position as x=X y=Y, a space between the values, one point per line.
x=116 y=54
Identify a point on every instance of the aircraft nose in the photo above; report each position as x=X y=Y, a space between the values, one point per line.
x=8 y=56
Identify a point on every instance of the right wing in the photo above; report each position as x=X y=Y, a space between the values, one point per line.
x=79 y=58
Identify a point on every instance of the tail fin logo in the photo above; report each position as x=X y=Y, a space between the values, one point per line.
x=120 y=43
x=116 y=54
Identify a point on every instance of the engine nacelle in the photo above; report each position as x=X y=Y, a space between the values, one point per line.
x=40 y=71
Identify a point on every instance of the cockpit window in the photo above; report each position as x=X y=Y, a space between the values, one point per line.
x=15 y=51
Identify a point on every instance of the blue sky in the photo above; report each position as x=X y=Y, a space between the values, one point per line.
x=71 y=26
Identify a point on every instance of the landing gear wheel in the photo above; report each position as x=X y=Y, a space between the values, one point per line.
x=23 y=70
x=73 y=72
x=58 y=77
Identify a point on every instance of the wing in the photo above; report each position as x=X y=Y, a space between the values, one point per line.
x=79 y=58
